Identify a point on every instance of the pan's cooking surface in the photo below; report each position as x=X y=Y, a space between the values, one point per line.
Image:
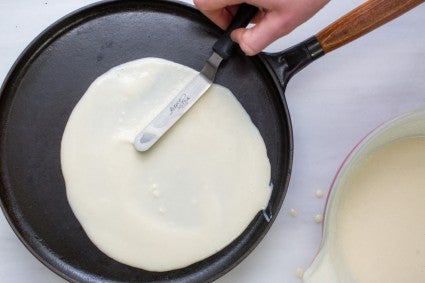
x=48 y=81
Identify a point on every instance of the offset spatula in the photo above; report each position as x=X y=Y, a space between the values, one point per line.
x=187 y=97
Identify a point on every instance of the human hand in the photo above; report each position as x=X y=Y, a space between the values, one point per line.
x=275 y=19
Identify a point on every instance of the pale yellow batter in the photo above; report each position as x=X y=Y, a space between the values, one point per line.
x=186 y=198
x=380 y=227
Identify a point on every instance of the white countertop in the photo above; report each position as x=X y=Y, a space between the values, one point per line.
x=334 y=102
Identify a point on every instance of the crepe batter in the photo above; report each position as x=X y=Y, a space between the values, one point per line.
x=380 y=221
x=183 y=200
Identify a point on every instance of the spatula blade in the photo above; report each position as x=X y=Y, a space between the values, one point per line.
x=180 y=104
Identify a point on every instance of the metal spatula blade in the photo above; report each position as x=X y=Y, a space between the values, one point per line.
x=191 y=93
x=180 y=104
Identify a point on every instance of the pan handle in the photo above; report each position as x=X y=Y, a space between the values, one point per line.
x=363 y=19
x=225 y=44
x=358 y=22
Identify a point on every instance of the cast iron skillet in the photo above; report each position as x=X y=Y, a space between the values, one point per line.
x=53 y=73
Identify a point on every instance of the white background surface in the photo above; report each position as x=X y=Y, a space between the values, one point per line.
x=334 y=102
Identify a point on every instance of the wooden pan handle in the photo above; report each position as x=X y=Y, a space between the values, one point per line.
x=362 y=20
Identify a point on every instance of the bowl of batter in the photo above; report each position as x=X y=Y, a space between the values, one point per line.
x=373 y=229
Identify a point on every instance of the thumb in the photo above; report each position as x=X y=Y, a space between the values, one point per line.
x=247 y=42
x=254 y=40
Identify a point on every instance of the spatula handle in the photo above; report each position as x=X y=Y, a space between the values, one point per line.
x=362 y=20
x=225 y=44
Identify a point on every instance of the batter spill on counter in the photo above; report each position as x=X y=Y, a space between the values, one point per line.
x=186 y=198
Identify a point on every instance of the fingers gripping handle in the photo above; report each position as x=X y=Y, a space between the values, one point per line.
x=225 y=44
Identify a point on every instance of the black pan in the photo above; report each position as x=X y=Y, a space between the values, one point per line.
x=53 y=73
